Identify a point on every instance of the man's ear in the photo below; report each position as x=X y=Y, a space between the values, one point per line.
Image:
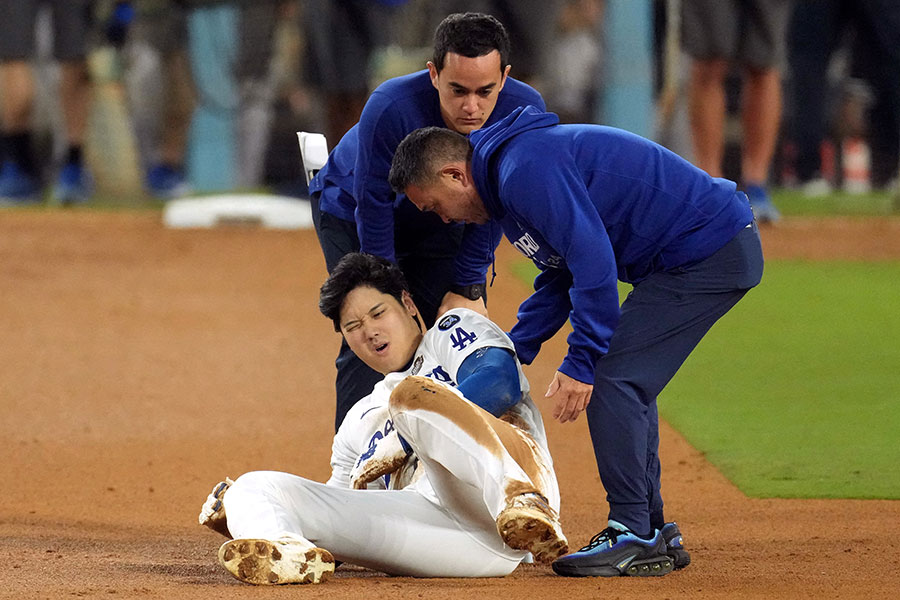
x=409 y=304
x=504 y=76
x=455 y=171
x=433 y=73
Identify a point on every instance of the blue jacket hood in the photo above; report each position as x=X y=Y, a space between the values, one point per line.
x=487 y=142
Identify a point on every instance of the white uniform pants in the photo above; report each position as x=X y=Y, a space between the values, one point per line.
x=441 y=526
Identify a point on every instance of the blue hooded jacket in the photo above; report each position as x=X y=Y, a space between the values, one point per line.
x=354 y=186
x=591 y=204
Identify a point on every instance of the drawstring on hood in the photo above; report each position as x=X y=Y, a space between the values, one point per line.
x=493 y=256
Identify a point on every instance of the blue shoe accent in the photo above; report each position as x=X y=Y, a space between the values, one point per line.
x=16 y=186
x=675 y=545
x=617 y=551
x=764 y=210
x=73 y=186
x=166 y=183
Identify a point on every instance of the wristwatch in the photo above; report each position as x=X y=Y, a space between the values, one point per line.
x=472 y=292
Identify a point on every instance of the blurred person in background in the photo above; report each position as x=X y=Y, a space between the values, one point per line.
x=20 y=175
x=871 y=28
x=341 y=38
x=751 y=34
x=571 y=80
x=153 y=35
x=192 y=63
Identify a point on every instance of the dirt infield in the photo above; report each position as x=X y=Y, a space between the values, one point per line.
x=140 y=365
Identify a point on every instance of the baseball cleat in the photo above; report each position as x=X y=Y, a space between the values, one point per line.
x=616 y=551
x=529 y=523
x=675 y=545
x=265 y=562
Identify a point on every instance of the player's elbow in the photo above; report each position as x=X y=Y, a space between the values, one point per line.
x=491 y=381
x=505 y=400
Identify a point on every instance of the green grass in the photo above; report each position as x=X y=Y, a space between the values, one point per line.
x=796 y=392
x=794 y=203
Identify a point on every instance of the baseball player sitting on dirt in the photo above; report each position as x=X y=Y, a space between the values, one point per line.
x=442 y=471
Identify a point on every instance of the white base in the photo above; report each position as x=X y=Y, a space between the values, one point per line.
x=270 y=212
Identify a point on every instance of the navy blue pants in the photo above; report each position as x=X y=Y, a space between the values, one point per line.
x=663 y=319
x=426 y=253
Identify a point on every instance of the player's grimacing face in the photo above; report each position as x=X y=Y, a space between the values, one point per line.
x=380 y=330
x=468 y=89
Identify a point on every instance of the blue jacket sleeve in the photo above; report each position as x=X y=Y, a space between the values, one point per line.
x=379 y=132
x=489 y=378
x=569 y=222
x=476 y=253
x=542 y=314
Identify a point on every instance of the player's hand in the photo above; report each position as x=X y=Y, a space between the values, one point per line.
x=387 y=456
x=571 y=397
x=452 y=300
x=212 y=513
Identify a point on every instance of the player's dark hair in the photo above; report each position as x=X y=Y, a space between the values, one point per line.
x=355 y=270
x=471 y=35
x=423 y=152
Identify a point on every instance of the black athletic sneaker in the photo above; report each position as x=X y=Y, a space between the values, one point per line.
x=617 y=551
x=675 y=545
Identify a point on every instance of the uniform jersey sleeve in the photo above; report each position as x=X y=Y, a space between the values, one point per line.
x=459 y=333
x=379 y=133
x=490 y=378
x=364 y=425
x=342 y=458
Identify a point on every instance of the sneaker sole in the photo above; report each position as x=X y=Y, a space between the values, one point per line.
x=648 y=567
x=679 y=557
x=524 y=530
x=262 y=562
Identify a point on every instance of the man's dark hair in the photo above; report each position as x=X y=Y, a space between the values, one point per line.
x=421 y=154
x=471 y=35
x=355 y=270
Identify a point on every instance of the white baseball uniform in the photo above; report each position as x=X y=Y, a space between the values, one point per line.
x=443 y=524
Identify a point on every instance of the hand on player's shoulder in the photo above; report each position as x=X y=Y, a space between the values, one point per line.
x=451 y=301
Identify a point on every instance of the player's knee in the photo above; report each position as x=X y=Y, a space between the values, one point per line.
x=709 y=71
x=414 y=392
